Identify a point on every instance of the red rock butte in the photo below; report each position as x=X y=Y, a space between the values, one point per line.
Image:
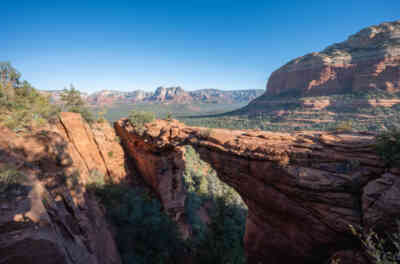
x=369 y=59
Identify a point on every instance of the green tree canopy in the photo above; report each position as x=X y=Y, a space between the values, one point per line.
x=72 y=98
x=73 y=102
x=8 y=74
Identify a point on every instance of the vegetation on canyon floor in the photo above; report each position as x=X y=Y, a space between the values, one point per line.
x=388 y=147
x=284 y=113
x=221 y=241
x=145 y=233
x=381 y=249
x=9 y=177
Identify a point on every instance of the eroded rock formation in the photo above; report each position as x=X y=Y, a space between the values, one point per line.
x=47 y=216
x=367 y=60
x=303 y=190
x=165 y=95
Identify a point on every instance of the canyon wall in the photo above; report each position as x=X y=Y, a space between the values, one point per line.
x=367 y=60
x=46 y=213
x=303 y=190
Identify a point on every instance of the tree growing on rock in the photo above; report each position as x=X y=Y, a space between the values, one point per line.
x=73 y=102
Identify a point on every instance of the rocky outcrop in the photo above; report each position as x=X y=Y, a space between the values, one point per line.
x=171 y=94
x=162 y=172
x=303 y=190
x=46 y=214
x=367 y=60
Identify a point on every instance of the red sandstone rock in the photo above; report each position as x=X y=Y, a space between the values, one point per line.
x=49 y=217
x=367 y=60
x=303 y=190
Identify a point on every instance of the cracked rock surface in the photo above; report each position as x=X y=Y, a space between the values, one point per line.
x=47 y=216
x=303 y=190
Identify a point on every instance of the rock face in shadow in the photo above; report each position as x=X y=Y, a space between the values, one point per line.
x=46 y=214
x=303 y=190
x=367 y=60
x=163 y=173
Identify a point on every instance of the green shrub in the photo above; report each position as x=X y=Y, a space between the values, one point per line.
x=222 y=240
x=388 y=147
x=10 y=176
x=144 y=233
x=85 y=113
x=110 y=154
x=101 y=115
x=344 y=126
x=96 y=178
x=21 y=105
x=381 y=249
x=139 y=118
x=73 y=102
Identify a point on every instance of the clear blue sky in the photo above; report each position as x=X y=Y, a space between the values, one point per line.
x=126 y=45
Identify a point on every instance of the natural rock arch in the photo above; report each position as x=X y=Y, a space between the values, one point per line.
x=302 y=190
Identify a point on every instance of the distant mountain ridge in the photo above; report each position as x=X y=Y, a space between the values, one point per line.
x=165 y=95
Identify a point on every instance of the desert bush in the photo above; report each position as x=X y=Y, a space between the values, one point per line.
x=388 y=147
x=382 y=249
x=140 y=118
x=101 y=115
x=205 y=133
x=144 y=233
x=10 y=176
x=96 y=178
x=222 y=240
x=73 y=102
x=21 y=105
x=344 y=126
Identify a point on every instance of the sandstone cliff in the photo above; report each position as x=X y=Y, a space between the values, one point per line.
x=367 y=60
x=46 y=215
x=303 y=190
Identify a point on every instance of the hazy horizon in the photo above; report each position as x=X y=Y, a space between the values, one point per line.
x=193 y=44
x=149 y=90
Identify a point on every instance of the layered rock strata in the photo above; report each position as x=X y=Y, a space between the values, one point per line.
x=369 y=59
x=303 y=190
x=46 y=214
